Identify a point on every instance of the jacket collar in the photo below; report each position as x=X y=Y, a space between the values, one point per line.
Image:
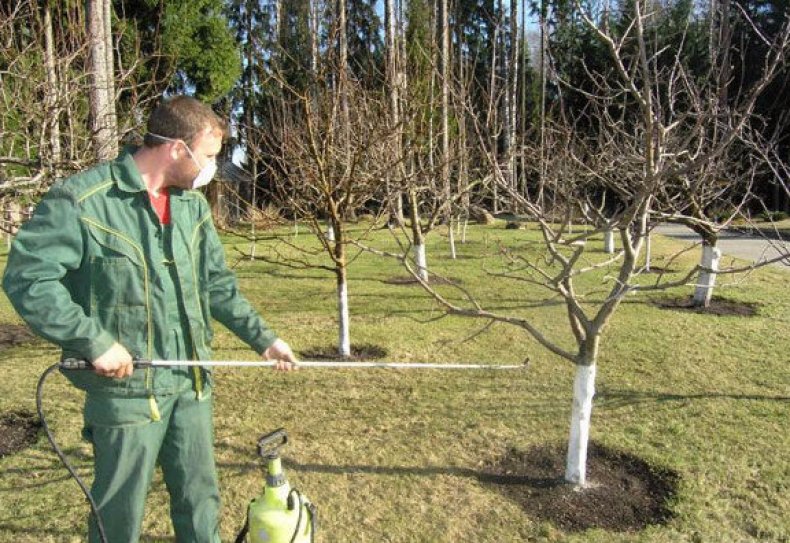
x=125 y=172
x=127 y=176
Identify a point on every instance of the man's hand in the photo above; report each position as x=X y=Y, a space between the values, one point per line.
x=282 y=353
x=116 y=362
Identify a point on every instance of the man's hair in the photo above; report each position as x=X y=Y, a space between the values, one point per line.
x=183 y=118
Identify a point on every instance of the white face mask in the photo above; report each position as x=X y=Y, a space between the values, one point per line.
x=206 y=173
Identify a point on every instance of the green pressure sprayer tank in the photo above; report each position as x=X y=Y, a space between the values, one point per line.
x=281 y=514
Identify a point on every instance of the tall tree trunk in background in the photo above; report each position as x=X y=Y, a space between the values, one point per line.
x=544 y=40
x=492 y=118
x=524 y=70
x=394 y=75
x=343 y=89
x=513 y=91
x=102 y=88
x=249 y=120
x=52 y=101
x=110 y=63
x=446 y=122
x=314 y=37
x=463 y=156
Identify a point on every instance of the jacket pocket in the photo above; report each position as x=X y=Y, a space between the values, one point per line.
x=116 y=282
x=128 y=325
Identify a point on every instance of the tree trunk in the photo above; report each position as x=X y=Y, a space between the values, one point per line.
x=252 y=155
x=344 y=327
x=417 y=237
x=112 y=118
x=102 y=88
x=394 y=76
x=583 y=392
x=344 y=333
x=314 y=37
x=51 y=98
x=445 y=121
x=493 y=111
x=422 y=263
x=512 y=77
x=608 y=241
x=707 y=279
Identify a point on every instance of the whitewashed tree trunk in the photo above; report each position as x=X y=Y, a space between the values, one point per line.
x=344 y=335
x=463 y=230
x=330 y=234
x=648 y=251
x=451 y=233
x=583 y=392
x=608 y=242
x=707 y=279
x=422 y=262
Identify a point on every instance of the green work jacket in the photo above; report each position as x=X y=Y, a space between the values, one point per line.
x=91 y=268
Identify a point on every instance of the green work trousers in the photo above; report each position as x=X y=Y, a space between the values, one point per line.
x=128 y=445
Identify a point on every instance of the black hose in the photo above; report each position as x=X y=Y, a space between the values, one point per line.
x=62 y=456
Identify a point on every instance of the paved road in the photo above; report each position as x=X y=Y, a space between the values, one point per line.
x=748 y=247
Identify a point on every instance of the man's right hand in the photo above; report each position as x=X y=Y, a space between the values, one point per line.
x=116 y=362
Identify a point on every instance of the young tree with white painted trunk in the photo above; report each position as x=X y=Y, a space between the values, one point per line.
x=646 y=149
x=325 y=171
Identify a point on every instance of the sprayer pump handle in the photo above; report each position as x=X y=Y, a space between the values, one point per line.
x=269 y=445
x=82 y=364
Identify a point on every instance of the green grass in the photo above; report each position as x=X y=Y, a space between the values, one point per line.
x=387 y=455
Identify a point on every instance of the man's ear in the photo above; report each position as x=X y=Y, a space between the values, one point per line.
x=175 y=150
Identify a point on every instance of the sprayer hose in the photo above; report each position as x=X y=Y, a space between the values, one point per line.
x=62 y=456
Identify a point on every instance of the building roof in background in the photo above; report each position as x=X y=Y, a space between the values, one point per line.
x=233 y=174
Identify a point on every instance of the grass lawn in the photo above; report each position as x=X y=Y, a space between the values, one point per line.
x=393 y=456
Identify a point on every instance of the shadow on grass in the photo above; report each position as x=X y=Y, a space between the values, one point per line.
x=429 y=471
x=60 y=534
x=41 y=533
x=624 y=398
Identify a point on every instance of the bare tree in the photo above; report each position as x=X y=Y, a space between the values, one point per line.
x=326 y=169
x=45 y=130
x=642 y=154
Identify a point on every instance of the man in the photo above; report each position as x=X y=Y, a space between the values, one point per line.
x=123 y=261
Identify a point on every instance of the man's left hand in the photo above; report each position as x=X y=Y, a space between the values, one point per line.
x=281 y=352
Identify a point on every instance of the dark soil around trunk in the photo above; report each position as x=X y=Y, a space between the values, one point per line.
x=359 y=353
x=623 y=494
x=12 y=335
x=18 y=431
x=718 y=306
